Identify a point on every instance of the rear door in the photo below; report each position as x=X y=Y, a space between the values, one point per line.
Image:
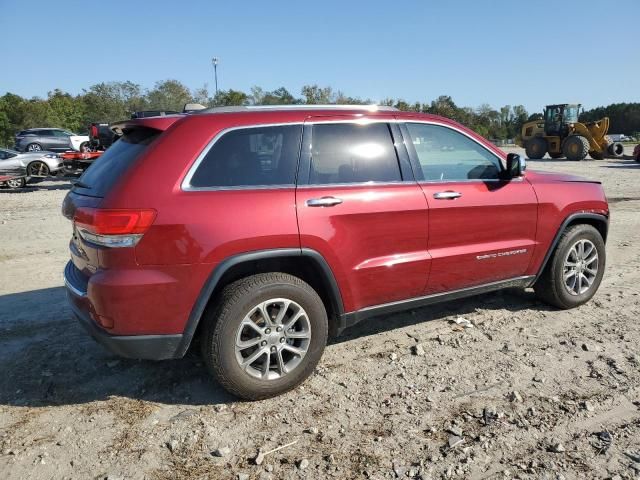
x=481 y=228
x=359 y=206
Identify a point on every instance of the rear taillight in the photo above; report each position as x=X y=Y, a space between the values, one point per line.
x=113 y=228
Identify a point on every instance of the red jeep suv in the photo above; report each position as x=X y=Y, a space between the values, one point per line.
x=261 y=230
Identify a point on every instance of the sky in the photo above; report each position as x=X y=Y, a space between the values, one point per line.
x=502 y=52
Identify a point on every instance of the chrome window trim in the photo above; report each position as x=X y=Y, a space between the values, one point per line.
x=186 y=186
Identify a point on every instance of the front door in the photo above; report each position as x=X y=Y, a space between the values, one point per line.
x=481 y=228
x=361 y=211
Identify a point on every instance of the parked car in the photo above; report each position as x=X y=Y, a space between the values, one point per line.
x=260 y=231
x=100 y=136
x=35 y=164
x=52 y=139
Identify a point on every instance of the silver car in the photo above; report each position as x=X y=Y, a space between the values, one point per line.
x=37 y=164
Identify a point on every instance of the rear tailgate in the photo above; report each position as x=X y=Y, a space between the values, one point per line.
x=96 y=183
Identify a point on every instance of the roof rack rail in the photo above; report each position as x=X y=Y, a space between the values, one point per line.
x=248 y=108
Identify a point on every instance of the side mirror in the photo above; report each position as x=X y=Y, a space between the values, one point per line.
x=516 y=165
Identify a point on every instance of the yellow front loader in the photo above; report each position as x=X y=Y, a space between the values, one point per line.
x=560 y=134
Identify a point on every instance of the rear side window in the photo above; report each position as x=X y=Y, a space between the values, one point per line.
x=262 y=156
x=353 y=153
x=102 y=175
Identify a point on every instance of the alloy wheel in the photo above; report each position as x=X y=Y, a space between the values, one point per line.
x=580 y=267
x=38 y=169
x=272 y=339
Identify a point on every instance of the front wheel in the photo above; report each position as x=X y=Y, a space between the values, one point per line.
x=265 y=336
x=575 y=269
x=575 y=148
x=38 y=169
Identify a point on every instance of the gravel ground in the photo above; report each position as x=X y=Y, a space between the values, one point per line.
x=524 y=392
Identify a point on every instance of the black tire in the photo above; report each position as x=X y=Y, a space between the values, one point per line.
x=551 y=288
x=556 y=155
x=33 y=147
x=575 y=148
x=38 y=169
x=536 y=148
x=615 y=150
x=597 y=155
x=222 y=323
x=84 y=147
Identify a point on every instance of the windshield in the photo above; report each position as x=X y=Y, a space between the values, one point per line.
x=102 y=175
x=571 y=113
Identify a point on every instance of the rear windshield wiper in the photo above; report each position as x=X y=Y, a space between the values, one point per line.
x=79 y=184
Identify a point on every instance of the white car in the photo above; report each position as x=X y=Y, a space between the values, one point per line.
x=35 y=164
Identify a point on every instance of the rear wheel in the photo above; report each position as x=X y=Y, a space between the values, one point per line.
x=616 y=150
x=38 y=169
x=34 y=147
x=576 y=148
x=265 y=336
x=84 y=147
x=575 y=269
x=536 y=148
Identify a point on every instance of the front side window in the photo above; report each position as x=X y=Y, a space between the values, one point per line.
x=248 y=157
x=353 y=153
x=445 y=154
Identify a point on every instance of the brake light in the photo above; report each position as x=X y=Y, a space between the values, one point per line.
x=113 y=228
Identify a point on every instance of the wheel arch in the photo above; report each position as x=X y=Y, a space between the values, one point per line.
x=599 y=221
x=307 y=264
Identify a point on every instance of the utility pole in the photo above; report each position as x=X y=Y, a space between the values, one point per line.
x=214 y=61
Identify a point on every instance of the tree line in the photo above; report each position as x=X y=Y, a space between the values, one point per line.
x=112 y=101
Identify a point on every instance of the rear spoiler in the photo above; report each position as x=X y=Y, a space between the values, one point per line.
x=156 y=123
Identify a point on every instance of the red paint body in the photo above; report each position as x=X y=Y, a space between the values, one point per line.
x=384 y=243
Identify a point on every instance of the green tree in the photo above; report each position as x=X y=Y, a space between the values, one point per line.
x=315 y=95
x=168 y=95
x=230 y=97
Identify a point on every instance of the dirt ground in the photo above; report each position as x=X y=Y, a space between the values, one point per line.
x=527 y=392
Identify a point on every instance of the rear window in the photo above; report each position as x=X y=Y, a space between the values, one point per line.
x=101 y=176
x=256 y=156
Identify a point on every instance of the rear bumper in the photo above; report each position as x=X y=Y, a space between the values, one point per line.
x=148 y=347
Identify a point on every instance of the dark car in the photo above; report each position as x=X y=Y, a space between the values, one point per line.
x=51 y=139
x=101 y=136
x=260 y=231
